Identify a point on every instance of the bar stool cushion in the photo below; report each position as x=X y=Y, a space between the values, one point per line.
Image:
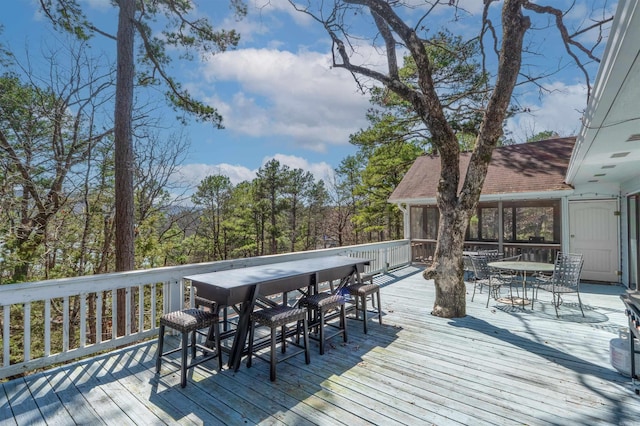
x=324 y=301
x=278 y=316
x=188 y=319
x=363 y=289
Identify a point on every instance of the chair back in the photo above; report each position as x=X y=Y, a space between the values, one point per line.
x=491 y=255
x=467 y=264
x=481 y=269
x=203 y=296
x=567 y=269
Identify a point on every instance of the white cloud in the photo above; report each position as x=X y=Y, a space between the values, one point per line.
x=262 y=7
x=559 y=111
x=320 y=171
x=99 y=4
x=264 y=17
x=280 y=93
x=193 y=174
x=473 y=7
x=583 y=15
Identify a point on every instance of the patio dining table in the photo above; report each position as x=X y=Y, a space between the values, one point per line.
x=243 y=286
x=523 y=267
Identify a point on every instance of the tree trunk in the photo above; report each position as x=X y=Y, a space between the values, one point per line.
x=124 y=150
x=456 y=207
x=447 y=269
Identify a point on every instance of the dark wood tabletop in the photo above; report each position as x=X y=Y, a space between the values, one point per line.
x=242 y=286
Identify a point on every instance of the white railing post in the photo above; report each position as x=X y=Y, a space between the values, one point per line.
x=175 y=296
x=153 y=306
x=65 y=324
x=140 y=308
x=114 y=313
x=98 y=317
x=6 y=310
x=385 y=260
x=47 y=327
x=27 y=331
x=127 y=312
x=83 y=320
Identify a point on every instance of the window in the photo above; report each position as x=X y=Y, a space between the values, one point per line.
x=534 y=224
x=424 y=222
x=472 y=233
x=522 y=222
x=489 y=224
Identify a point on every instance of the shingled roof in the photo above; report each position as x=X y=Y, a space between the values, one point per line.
x=529 y=167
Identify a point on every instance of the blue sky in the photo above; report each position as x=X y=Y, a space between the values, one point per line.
x=281 y=99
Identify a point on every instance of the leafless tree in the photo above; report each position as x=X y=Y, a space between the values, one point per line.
x=47 y=133
x=402 y=27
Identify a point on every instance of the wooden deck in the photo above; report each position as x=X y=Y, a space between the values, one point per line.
x=497 y=366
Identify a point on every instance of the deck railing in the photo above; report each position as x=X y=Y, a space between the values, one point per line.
x=423 y=250
x=48 y=322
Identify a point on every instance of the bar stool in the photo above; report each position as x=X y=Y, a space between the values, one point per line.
x=187 y=322
x=360 y=293
x=318 y=305
x=278 y=317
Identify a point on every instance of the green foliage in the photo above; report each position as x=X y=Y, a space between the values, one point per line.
x=213 y=196
x=5 y=54
x=244 y=223
x=541 y=136
x=189 y=34
x=68 y=16
x=397 y=134
x=461 y=89
x=271 y=180
x=384 y=171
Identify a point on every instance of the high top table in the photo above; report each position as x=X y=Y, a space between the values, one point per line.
x=243 y=286
x=524 y=267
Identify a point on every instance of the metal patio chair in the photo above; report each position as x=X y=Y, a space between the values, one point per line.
x=565 y=279
x=483 y=275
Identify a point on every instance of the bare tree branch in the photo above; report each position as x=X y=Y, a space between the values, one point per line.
x=567 y=39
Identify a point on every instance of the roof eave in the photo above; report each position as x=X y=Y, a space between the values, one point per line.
x=511 y=196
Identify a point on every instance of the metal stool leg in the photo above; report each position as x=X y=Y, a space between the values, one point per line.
x=363 y=299
x=183 y=366
x=343 y=322
x=321 y=332
x=160 y=348
x=272 y=368
x=305 y=337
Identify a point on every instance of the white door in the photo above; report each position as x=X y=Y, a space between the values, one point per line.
x=593 y=228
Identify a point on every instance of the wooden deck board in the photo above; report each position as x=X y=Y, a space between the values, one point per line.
x=188 y=408
x=498 y=365
x=47 y=401
x=435 y=389
x=6 y=415
x=24 y=408
x=71 y=398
